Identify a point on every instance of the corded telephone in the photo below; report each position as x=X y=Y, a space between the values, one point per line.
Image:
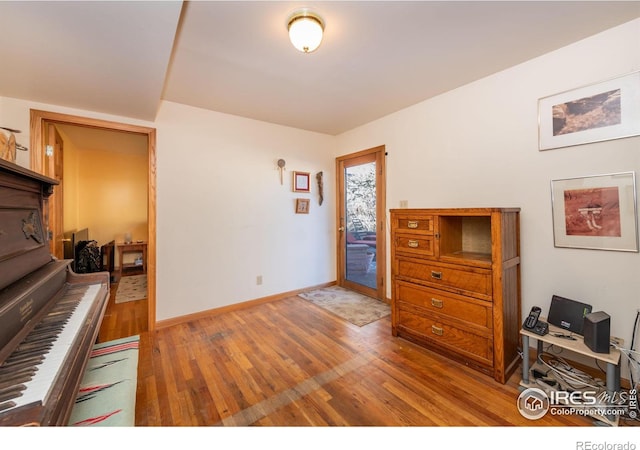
x=533 y=324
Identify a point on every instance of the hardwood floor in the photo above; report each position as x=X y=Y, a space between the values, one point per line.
x=124 y=319
x=290 y=363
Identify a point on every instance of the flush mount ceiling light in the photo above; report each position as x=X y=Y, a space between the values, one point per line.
x=305 y=30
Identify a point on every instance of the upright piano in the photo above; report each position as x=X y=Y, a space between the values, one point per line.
x=49 y=315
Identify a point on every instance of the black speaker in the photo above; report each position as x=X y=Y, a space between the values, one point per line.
x=596 y=331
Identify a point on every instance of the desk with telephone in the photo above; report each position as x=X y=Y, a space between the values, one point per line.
x=572 y=326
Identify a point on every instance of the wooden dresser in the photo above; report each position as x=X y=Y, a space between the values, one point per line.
x=456 y=284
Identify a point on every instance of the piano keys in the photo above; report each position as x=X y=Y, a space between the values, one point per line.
x=49 y=315
x=45 y=348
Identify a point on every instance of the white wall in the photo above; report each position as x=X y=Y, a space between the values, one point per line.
x=478 y=146
x=223 y=216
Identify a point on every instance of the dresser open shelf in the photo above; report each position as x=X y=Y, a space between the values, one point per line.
x=465 y=237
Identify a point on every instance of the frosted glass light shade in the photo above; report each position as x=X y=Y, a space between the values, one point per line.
x=305 y=31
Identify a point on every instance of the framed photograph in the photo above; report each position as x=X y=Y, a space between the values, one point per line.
x=301 y=182
x=599 y=112
x=302 y=206
x=596 y=212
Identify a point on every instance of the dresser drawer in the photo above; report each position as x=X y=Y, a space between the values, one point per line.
x=414 y=224
x=414 y=245
x=465 y=309
x=442 y=334
x=463 y=280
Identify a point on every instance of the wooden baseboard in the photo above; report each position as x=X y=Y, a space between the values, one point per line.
x=236 y=306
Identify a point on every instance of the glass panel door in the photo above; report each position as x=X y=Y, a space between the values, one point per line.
x=360 y=220
x=361 y=240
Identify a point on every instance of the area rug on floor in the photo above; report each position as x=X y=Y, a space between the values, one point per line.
x=131 y=288
x=351 y=306
x=107 y=396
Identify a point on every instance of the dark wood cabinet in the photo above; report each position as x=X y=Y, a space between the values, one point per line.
x=456 y=284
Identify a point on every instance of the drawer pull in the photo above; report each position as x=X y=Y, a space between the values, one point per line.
x=436 y=303
x=436 y=275
x=413 y=244
x=412 y=224
x=436 y=330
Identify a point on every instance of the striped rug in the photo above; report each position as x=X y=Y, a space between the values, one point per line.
x=107 y=395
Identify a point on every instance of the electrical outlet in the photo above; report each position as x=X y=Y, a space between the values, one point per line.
x=259 y=280
x=404 y=203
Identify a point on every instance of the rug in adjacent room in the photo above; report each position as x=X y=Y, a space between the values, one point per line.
x=107 y=395
x=131 y=288
x=351 y=306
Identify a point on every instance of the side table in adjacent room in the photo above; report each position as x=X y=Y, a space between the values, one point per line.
x=140 y=248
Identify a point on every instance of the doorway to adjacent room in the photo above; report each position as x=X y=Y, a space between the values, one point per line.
x=41 y=120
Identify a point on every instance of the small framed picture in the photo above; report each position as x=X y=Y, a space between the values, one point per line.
x=302 y=206
x=596 y=212
x=301 y=182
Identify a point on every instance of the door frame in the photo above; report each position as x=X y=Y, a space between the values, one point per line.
x=56 y=200
x=379 y=153
x=40 y=119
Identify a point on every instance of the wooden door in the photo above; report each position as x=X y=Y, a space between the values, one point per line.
x=53 y=167
x=361 y=222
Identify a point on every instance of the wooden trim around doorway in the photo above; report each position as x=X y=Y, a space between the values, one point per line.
x=39 y=119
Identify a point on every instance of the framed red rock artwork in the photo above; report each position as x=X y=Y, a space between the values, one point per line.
x=596 y=212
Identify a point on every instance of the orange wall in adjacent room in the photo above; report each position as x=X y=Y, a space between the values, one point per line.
x=112 y=195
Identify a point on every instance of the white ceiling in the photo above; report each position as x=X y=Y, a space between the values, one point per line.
x=123 y=58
